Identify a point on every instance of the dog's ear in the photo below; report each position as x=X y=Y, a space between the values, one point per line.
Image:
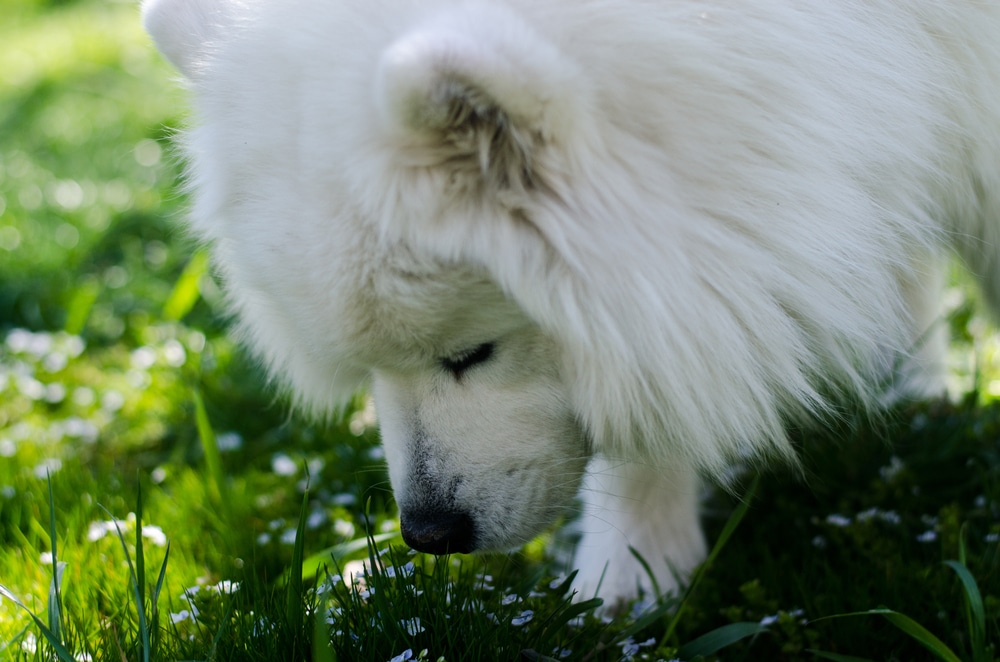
x=184 y=29
x=477 y=87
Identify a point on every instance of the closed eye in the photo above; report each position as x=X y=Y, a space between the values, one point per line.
x=458 y=365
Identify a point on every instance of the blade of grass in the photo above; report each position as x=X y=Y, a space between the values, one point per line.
x=727 y=531
x=55 y=596
x=294 y=597
x=186 y=292
x=837 y=658
x=143 y=630
x=140 y=572
x=312 y=564
x=213 y=458
x=55 y=600
x=917 y=632
x=647 y=618
x=14 y=639
x=61 y=651
x=80 y=305
x=646 y=568
x=218 y=634
x=719 y=638
x=554 y=624
x=154 y=607
x=322 y=651
x=974 y=612
x=920 y=634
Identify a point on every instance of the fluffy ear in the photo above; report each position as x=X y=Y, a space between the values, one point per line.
x=183 y=29
x=477 y=85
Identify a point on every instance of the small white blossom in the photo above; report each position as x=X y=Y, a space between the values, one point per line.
x=226 y=586
x=392 y=571
x=155 y=535
x=891 y=470
x=283 y=465
x=524 y=618
x=184 y=615
x=838 y=520
x=229 y=441
x=412 y=626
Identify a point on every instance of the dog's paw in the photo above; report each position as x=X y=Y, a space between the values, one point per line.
x=635 y=512
x=608 y=569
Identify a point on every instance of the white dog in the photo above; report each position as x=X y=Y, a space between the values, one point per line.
x=646 y=235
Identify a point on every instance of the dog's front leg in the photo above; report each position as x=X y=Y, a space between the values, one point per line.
x=654 y=510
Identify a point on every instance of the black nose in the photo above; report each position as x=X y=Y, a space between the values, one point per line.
x=438 y=531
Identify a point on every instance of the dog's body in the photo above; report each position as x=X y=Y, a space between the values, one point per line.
x=652 y=231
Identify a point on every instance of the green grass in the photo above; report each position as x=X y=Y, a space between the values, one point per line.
x=130 y=425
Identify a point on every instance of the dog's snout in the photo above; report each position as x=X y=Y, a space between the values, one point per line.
x=438 y=531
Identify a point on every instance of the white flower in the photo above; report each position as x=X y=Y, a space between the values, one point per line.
x=226 y=586
x=344 y=499
x=229 y=441
x=838 y=520
x=97 y=530
x=343 y=528
x=155 y=535
x=47 y=467
x=184 y=615
x=288 y=537
x=629 y=648
x=404 y=656
x=891 y=470
x=525 y=617
x=412 y=626
x=927 y=536
x=316 y=519
x=392 y=571
x=283 y=465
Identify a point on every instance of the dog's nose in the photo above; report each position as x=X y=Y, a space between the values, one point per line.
x=438 y=532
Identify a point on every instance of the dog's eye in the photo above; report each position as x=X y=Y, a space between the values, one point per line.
x=459 y=364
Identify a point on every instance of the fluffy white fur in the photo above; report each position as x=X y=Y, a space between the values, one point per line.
x=681 y=225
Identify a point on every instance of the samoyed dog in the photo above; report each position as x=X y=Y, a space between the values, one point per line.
x=630 y=240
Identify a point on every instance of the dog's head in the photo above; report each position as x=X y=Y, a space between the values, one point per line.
x=490 y=211
x=340 y=218
x=483 y=443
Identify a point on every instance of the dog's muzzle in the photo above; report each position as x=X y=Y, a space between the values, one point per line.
x=438 y=531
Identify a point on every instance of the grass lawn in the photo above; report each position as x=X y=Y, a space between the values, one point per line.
x=157 y=501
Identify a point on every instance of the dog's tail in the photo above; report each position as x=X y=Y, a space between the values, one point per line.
x=478 y=84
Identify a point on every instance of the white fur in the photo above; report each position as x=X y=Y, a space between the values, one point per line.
x=683 y=224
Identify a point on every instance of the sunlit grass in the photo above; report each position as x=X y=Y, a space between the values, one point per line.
x=116 y=372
